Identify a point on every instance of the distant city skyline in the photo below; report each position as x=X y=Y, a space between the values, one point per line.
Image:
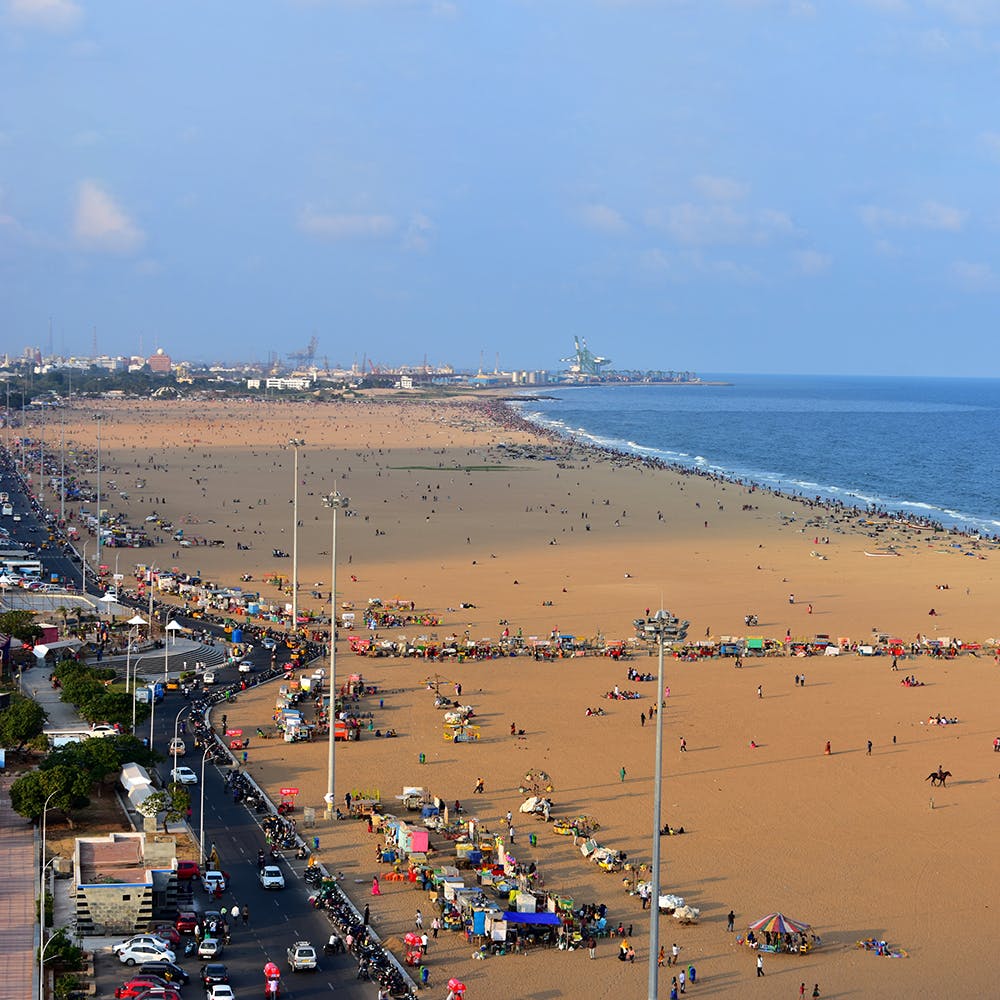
x=785 y=186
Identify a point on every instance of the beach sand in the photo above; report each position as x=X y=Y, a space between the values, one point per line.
x=856 y=846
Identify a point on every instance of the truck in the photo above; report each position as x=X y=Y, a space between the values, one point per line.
x=144 y=695
x=302 y=957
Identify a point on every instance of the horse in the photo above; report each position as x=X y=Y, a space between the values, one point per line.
x=938 y=777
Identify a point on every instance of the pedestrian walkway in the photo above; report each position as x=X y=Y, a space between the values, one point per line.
x=18 y=915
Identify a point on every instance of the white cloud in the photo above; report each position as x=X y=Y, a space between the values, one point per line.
x=49 y=15
x=893 y=6
x=720 y=188
x=602 y=218
x=931 y=215
x=696 y=224
x=973 y=276
x=100 y=224
x=345 y=225
x=968 y=11
x=418 y=233
x=691 y=264
x=812 y=262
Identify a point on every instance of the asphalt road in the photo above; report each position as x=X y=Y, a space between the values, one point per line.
x=278 y=918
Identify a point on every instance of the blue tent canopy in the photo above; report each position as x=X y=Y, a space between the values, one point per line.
x=550 y=919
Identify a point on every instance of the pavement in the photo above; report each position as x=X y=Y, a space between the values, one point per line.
x=18 y=916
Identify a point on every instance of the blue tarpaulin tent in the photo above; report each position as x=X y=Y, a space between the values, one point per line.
x=550 y=919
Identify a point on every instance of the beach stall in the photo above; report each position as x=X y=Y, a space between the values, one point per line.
x=778 y=934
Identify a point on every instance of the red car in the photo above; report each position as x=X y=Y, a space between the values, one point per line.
x=186 y=922
x=135 y=987
x=187 y=870
x=167 y=933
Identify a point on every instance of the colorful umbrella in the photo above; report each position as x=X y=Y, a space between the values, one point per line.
x=778 y=923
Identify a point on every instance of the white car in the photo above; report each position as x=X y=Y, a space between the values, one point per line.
x=152 y=939
x=269 y=643
x=213 y=880
x=220 y=991
x=210 y=947
x=246 y=667
x=271 y=877
x=136 y=954
x=177 y=748
x=103 y=729
x=183 y=776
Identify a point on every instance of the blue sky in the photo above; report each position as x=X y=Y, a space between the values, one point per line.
x=717 y=185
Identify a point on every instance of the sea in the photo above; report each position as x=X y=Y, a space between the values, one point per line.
x=928 y=448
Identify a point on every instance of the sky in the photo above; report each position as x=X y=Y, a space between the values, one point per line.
x=711 y=185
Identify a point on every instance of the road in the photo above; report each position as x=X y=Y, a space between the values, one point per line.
x=277 y=917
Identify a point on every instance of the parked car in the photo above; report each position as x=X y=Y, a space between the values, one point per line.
x=214 y=972
x=183 y=775
x=188 y=869
x=151 y=939
x=213 y=880
x=186 y=921
x=137 y=985
x=165 y=970
x=271 y=877
x=160 y=993
x=137 y=954
x=168 y=933
x=220 y=991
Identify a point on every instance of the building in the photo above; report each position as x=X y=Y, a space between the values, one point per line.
x=159 y=363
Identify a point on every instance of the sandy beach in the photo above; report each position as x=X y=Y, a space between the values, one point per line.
x=450 y=509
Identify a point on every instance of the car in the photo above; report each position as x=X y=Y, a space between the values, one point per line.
x=104 y=729
x=210 y=947
x=184 y=776
x=214 y=972
x=160 y=993
x=177 y=747
x=137 y=985
x=245 y=667
x=220 y=991
x=269 y=643
x=271 y=877
x=213 y=880
x=302 y=956
x=188 y=869
x=138 y=954
x=168 y=933
x=186 y=921
x=151 y=939
x=164 y=970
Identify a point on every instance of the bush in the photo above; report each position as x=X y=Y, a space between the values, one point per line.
x=67 y=986
x=62 y=953
x=21 y=721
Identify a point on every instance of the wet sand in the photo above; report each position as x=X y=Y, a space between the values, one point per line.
x=854 y=845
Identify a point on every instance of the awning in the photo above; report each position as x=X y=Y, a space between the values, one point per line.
x=548 y=919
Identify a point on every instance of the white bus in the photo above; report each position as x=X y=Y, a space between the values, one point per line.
x=31 y=568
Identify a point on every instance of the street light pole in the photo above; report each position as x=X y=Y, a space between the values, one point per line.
x=654 y=902
x=135 y=690
x=41 y=899
x=99 y=418
x=201 y=809
x=296 y=443
x=334 y=501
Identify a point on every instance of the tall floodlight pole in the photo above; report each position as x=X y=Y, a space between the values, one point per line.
x=62 y=471
x=99 y=418
x=41 y=901
x=41 y=460
x=296 y=443
x=654 y=902
x=334 y=501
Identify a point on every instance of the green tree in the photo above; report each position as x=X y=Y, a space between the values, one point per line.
x=21 y=625
x=29 y=792
x=101 y=758
x=20 y=722
x=62 y=953
x=173 y=801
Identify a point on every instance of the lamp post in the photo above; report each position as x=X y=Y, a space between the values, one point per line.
x=99 y=418
x=333 y=501
x=41 y=899
x=62 y=470
x=201 y=809
x=171 y=626
x=177 y=719
x=654 y=903
x=152 y=712
x=134 y=622
x=83 y=563
x=135 y=690
x=296 y=443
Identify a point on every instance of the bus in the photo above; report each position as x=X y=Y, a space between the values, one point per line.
x=30 y=568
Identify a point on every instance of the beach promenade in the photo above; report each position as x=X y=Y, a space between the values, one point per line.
x=18 y=914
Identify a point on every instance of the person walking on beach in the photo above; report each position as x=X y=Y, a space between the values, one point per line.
x=802 y=991
x=480 y=786
x=622 y=772
x=730 y=921
x=869 y=753
x=675 y=950
x=661 y=957
x=681 y=980
x=760 y=966
x=418 y=920
x=642 y=718
x=760 y=690
x=827 y=751
x=684 y=745
x=592 y=946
